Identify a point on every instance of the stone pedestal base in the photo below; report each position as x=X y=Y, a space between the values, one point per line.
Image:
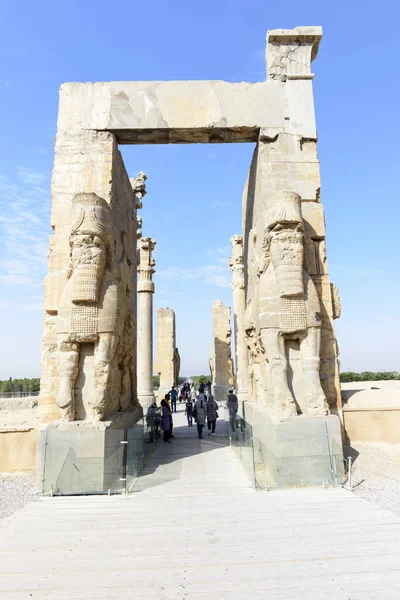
x=83 y=457
x=298 y=452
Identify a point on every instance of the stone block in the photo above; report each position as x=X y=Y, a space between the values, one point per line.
x=83 y=458
x=298 y=452
x=314 y=221
x=17 y=449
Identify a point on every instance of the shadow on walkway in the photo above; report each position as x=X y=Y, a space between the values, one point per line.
x=166 y=462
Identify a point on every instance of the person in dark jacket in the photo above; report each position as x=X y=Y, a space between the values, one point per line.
x=166 y=420
x=201 y=414
x=233 y=405
x=189 y=411
x=212 y=414
x=173 y=394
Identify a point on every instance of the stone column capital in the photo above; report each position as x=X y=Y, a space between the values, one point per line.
x=145 y=264
x=290 y=52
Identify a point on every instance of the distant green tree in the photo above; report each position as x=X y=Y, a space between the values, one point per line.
x=349 y=376
x=6 y=386
x=156 y=382
x=367 y=376
x=181 y=380
x=20 y=385
x=198 y=379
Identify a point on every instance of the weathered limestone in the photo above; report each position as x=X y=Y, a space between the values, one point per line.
x=19 y=420
x=290 y=303
x=203 y=111
x=239 y=307
x=145 y=288
x=89 y=340
x=167 y=357
x=173 y=111
x=221 y=364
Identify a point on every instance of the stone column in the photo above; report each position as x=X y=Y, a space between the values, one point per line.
x=239 y=307
x=145 y=322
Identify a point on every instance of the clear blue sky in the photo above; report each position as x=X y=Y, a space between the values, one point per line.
x=193 y=204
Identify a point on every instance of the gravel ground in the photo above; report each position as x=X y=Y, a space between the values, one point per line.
x=376 y=473
x=16 y=491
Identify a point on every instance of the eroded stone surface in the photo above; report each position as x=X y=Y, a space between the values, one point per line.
x=221 y=364
x=167 y=358
x=239 y=307
x=89 y=340
x=284 y=169
x=145 y=264
x=287 y=291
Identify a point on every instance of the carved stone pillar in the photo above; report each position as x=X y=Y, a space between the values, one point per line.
x=239 y=307
x=145 y=322
x=221 y=363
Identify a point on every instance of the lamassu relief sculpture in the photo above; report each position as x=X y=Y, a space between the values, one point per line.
x=91 y=310
x=288 y=309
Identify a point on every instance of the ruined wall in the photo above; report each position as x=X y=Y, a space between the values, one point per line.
x=167 y=357
x=89 y=162
x=221 y=364
x=288 y=162
x=285 y=164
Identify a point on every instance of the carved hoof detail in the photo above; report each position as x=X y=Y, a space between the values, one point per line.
x=317 y=407
x=65 y=398
x=284 y=408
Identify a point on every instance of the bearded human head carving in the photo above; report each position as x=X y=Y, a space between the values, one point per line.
x=89 y=310
x=284 y=239
x=288 y=308
x=89 y=241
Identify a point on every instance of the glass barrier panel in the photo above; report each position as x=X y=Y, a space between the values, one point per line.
x=291 y=456
x=136 y=451
x=293 y=460
x=338 y=462
x=83 y=461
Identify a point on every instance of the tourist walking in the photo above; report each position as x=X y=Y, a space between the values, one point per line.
x=233 y=405
x=174 y=397
x=200 y=408
x=166 y=420
x=193 y=392
x=212 y=414
x=189 y=412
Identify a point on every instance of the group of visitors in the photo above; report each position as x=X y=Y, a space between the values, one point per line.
x=202 y=410
x=199 y=407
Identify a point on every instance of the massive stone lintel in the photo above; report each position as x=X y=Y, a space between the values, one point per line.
x=173 y=112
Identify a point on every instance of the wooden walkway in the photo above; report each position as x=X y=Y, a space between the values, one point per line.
x=196 y=530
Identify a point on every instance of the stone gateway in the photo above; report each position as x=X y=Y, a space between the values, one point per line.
x=287 y=371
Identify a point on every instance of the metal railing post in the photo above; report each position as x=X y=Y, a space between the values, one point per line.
x=349 y=461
